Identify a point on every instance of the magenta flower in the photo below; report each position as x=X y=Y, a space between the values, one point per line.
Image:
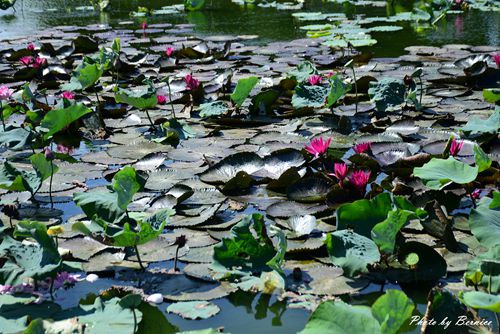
x=455 y=147
x=475 y=194
x=340 y=171
x=30 y=47
x=64 y=149
x=27 y=60
x=362 y=147
x=5 y=93
x=65 y=280
x=169 y=51
x=144 y=25
x=39 y=62
x=314 y=79
x=330 y=74
x=318 y=146
x=68 y=95
x=161 y=99
x=49 y=155
x=496 y=58
x=191 y=82
x=359 y=179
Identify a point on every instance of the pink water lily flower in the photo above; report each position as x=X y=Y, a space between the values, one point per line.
x=362 y=147
x=496 y=58
x=27 y=60
x=318 y=146
x=5 y=93
x=191 y=82
x=340 y=171
x=64 y=149
x=455 y=147
x=30 y=47
x=359 y=179
x=161 y=99
x=314 y=79
x=68 y=95
x=144 y=25
x=65 y=280
x=475 y=194
x=39 y=62
x=169 y=51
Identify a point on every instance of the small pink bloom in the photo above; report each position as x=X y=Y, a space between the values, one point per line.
x=5 y=289
x=144 y=25
x=162 y=99
x=314 y=79
x=39 y=62
x=27 y=60
x=330 y=74
x=340 y=171
x=31 y=47
x=476 y=193
x=65 y=280
x=5 y=93
x=64 y=149
x=359 y=179
x=49 y=155
x=318 y=146
x=496 y=58
x=169 y=51
x=191 y=82
x=455 y=147
x=362 y=147
x=68 y=95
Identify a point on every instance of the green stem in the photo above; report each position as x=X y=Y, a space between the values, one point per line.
x=50 y=184
x=135 y=321
x=139 y=258
x=176 y=256
x=1 y=115
x=150 y=120
x=355 y=87
x=421 y=90
x=170 y=99
x=10 y=222
x=51 y=289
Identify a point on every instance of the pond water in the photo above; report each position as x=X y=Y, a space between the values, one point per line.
x=244 y=312
x=225 y=17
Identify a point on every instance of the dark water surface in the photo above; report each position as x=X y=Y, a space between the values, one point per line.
x=225 y=17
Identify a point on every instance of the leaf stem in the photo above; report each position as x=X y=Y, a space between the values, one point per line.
x=139 y=258
x=176 y=256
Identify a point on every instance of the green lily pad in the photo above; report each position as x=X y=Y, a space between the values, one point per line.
x=485 y=223
x=438 y=173
x=194 y=310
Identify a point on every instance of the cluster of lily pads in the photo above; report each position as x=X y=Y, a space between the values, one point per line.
x=284 y=169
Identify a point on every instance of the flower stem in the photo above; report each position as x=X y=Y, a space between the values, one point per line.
x=139 y=258
x=421 y=90
x=1 y=115
x=176 y=256
x=355 y=87
x=150 y=120
x=170 y=98
x=50 y=184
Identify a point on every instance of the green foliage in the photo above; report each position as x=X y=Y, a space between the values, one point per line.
x=338 y=89
x=351 y=251
x=480 y=126
x=481 y=300
x=59 y=119
x=243 y=89
x=340 y=318
x=214 y=108
x=15 y=179
x=140 y=99
x=303 y=71
x=438 y=173
x=111 y=205
x=392 y=310
x=250 y=247
x=485 y=223
x=387 y=93
x=192 y=5
x=308 y=96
